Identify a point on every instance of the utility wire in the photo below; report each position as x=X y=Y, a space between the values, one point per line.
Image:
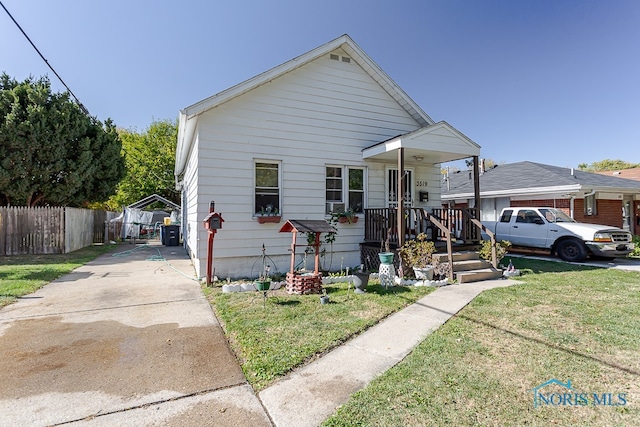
x=82 y=107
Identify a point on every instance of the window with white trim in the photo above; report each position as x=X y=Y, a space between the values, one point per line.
x=267 y=188
x=344 y=189
x=590 y=205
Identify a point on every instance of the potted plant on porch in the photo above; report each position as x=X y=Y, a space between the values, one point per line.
x=418 y=254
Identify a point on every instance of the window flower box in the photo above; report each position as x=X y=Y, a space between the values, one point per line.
x=269 y=219
x=348 y=219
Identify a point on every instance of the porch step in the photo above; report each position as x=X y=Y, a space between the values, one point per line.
x=468 y=267
x=457 y=256
x=478 y=275
x=471 y=264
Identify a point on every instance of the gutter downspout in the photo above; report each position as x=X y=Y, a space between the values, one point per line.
x=571 y=205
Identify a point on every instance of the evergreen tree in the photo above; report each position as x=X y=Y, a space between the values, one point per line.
x=51 y=152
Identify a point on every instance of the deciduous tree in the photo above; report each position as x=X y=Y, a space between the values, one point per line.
x=607 y=165
x=150 y=159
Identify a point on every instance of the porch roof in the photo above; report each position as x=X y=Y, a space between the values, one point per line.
x=437 y=143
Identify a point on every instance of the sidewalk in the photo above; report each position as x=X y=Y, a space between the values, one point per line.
x=130 y=340
x=329 y=381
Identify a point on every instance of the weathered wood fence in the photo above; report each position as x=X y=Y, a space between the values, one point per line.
x=45 y=230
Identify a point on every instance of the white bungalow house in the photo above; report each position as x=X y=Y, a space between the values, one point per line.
x=324 y=132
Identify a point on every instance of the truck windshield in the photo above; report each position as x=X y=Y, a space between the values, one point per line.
x=556 y=215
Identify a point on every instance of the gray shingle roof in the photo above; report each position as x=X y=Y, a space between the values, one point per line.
x=527 y=175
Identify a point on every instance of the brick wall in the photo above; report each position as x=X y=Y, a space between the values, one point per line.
x=562 y=204
x=609 y=212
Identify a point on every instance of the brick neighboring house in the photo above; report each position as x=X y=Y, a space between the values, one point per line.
x=587 y=197
x=633 y=173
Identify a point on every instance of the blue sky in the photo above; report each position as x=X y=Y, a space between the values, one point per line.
x=551 y=81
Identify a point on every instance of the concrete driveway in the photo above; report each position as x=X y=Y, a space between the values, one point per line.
x=123 y=340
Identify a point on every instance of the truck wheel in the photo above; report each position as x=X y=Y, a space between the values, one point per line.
x=571 y=250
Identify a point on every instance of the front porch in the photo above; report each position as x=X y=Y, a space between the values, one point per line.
x=452 y=230
x=406 y=215
x=381 y=224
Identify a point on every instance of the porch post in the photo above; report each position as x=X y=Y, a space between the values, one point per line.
x=476 y=185
x=401 y=190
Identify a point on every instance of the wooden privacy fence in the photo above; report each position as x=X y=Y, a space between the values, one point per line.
x=46 y=230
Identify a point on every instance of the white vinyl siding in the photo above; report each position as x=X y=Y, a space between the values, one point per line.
x=322 y=113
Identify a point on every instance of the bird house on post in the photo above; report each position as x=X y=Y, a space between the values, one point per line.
x=212 y=223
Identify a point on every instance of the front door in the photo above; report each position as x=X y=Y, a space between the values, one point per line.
x=627 y=213
x=392 y=188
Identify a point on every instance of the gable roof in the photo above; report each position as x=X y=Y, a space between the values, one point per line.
x=438 y=143
x=189 y=115
x=149 y=200
x=523 y=178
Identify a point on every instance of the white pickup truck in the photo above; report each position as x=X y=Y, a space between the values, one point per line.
x=552 y=229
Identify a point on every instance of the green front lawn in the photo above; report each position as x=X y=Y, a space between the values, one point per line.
x=562 y=322
x=274 y=336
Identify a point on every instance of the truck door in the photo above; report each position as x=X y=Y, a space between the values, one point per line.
x=528 y=229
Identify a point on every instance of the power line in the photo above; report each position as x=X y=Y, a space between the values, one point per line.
x=82 y=107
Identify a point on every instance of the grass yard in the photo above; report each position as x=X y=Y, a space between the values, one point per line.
x=23 y=274
x=271 y=338
x=562 y=322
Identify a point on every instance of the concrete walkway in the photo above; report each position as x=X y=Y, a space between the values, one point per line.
x=329 y=381
x=123 y=340
x=130 y=340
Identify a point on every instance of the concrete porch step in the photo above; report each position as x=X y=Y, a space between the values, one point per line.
x=457 y=256
x=478 y=275
x=471 y=264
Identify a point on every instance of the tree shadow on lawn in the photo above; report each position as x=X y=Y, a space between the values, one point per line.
x=550 y=345
x=371 y=288
x=537 y=266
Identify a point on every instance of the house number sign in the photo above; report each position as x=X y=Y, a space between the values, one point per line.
x=421 y=183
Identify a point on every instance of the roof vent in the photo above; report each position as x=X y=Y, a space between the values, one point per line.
x=334 y=56
x=346 y=59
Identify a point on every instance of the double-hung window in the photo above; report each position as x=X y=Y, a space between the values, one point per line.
x=590 y=207
x=344 y=189
x=267 y=187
